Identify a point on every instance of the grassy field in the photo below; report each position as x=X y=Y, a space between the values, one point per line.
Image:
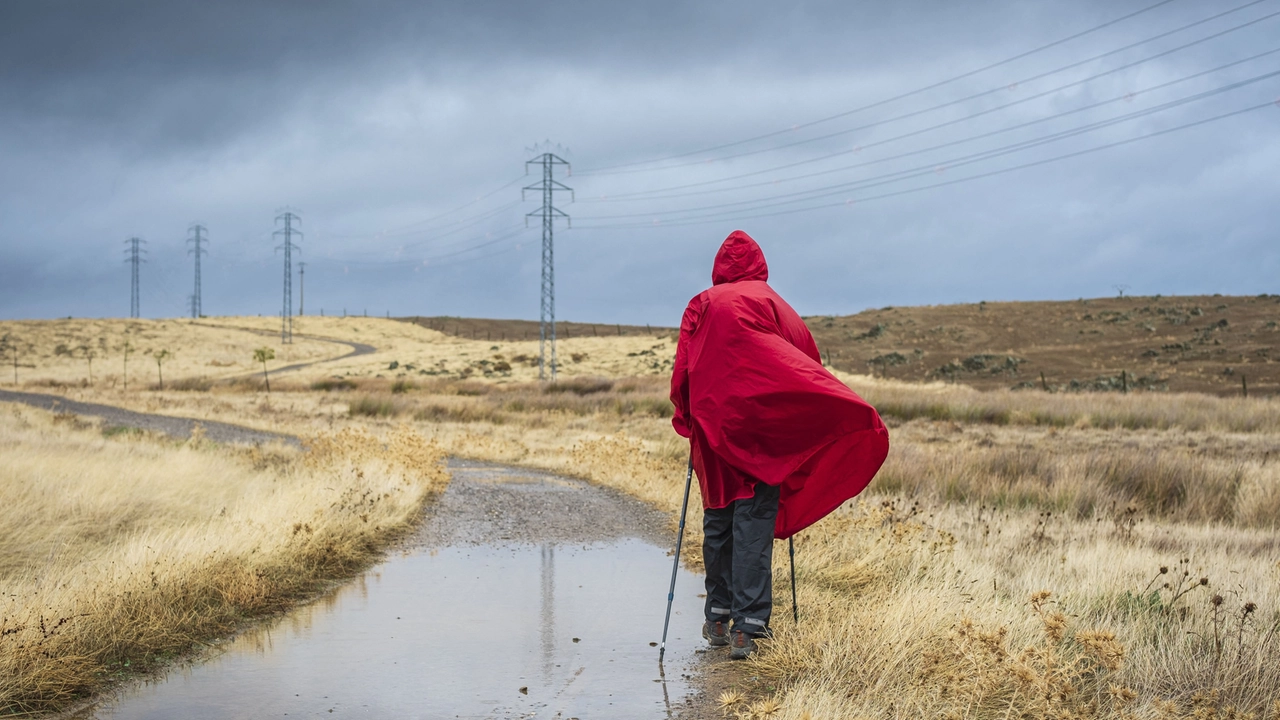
x=1209 y=343
x=119 y=553
x=1022 y=553
x=201 y=354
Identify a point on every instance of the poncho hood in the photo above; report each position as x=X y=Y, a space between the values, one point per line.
x=738 y=259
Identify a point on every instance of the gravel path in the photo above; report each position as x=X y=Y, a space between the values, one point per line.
x=177 y=427
x=490 y=504
x=356 y=348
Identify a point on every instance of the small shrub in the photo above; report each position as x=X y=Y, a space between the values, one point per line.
x=193 y=384
x=472 y=389
x=580 y=386
x=329 y=384
x=375 y=406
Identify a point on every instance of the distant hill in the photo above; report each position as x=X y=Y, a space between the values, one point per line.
x=1211 y=344
x=488 y=329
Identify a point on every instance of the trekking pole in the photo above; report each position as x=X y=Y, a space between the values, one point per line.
x=675 y=566
x=795 y=609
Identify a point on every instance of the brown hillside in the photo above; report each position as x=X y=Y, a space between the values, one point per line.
x=512 y=330
x=1214 y=344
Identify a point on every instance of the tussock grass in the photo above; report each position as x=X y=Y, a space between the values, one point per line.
x=580 y=386
x=1077 y=471
x=922 y=609
x=1104 y=483
x=191 y=384
x=376 y=406
x=118 y=554
x=1131 y=411
x=468 y=401
x=933 y=613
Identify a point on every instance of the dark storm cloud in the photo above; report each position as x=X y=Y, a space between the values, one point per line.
x=120 y=119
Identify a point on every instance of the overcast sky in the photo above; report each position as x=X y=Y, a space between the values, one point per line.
x=398 y=132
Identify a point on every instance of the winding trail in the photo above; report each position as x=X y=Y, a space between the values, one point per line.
x=177 y=427
x=357 y=349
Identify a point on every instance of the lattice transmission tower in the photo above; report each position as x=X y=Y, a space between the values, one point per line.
x=134 y=253
x=197 y=240
x=288 y=219
x=548 y=213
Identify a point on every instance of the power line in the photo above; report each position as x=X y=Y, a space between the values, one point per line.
x=488 y=239
x=288 y=231
x=198 y=231
x=968 y=98
x=886 y=101
x=548 y=213
x=1044 y=161
x=418 y=224
x=135 y=251
x=433 y=260
x=652 y=194
x=815 y=193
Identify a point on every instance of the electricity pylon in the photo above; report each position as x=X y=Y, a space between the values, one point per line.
x=135 y=251
x=302 y=288
x=288 y=231
x=197 y=240
x=548 y=212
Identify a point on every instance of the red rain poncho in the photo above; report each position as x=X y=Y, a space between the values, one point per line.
x=751 y=393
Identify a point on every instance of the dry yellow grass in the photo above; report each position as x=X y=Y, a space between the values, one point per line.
x=422 y=354
x=120 y=553
x=1135 y=410
x=62 y=352
x=919 y=602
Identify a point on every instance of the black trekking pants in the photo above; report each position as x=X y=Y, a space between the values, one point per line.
x=737 y=549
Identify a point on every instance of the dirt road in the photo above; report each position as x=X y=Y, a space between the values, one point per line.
x=357 y=349
x=177 y=427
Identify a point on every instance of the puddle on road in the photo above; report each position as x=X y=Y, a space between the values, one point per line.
x=456 y=632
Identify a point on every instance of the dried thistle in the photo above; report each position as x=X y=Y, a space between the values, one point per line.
x=764 y=708
x=1103 y=647
x=730 y=698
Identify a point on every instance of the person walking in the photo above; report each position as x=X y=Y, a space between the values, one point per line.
x=776 y=440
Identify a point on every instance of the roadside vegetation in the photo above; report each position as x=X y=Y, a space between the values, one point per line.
x=120 y=553
x=1022 y=553
x=1129 y=411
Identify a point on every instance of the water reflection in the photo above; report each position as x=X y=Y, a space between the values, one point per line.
x=548 y=627
x=457 y=633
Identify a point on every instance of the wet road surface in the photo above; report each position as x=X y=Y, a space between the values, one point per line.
x=523 y=595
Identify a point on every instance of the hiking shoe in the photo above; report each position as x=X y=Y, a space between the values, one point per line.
x=715 y=633
x=742 y=645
